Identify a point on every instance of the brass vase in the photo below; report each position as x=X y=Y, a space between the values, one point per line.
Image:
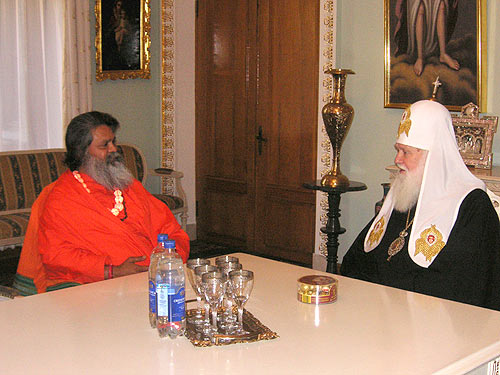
x=337 y=117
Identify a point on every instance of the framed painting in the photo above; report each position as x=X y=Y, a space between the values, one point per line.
x=122 y=39
x=427 y=39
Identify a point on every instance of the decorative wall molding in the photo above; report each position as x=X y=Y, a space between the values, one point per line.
x=167 y=92
x=328 y=31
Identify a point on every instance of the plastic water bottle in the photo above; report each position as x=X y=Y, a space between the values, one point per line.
x=170 y=291
x=158 y=251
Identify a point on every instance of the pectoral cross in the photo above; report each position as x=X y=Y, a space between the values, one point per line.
x=436 y=84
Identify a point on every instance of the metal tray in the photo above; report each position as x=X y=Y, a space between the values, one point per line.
x=256 y=332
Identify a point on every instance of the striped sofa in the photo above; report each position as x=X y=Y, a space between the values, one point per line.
x=23 y=175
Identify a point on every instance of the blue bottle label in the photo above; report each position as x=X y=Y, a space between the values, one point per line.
x=176 y=305
x=162 y=298
x=152 y=297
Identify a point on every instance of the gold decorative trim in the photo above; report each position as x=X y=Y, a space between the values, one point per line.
x=430 y=243
x=405 y=124
x=145 y=41
x=327 y=61
x=167 y=92
x=377 y=232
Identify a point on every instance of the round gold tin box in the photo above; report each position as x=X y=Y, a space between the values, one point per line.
x=317 y=289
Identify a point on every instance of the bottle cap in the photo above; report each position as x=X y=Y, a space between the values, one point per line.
x=162 y=237
x=169 y=244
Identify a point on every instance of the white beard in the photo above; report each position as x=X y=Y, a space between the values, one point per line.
x=111 y=173
x=406 y=187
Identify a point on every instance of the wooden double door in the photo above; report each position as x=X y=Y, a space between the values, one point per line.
x=256 y=124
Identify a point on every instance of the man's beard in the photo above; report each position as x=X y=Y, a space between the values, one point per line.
x=406 y=187
x=111 y=173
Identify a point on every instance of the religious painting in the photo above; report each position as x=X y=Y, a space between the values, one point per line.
x=122 y=39
x=427 y=39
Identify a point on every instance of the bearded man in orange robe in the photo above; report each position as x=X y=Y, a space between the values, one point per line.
x=96 y=221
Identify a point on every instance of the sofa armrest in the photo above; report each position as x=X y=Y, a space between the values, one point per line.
x=176 y=175
x=166 y=172
x=8 y=292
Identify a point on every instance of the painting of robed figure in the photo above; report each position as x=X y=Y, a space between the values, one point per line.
x=427 y=39
x=122 y=39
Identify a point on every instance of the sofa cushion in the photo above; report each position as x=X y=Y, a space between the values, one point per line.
x=13 y=228
x=171 y=201
x=23 y=175
x=134 y=161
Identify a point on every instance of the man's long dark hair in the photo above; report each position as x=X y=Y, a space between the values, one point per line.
x=79 y=135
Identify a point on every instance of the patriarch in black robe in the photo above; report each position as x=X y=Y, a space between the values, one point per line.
x=437 y=232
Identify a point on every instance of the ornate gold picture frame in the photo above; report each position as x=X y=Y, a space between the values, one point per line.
x=459 y=61
x=475 y=136
x=122 y=39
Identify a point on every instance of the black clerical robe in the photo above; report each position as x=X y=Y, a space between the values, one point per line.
x=466 y=270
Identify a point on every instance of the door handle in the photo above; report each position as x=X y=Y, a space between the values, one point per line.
x=260 y=139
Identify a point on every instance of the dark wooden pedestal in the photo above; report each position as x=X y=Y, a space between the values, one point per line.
x=333 y=228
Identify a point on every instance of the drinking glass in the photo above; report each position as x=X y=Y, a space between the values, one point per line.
x=191 y=264
x=229 y=266
x=213 y=287
x=228 y=319
x=198 y=272
x=225 y=258
x=241 y=285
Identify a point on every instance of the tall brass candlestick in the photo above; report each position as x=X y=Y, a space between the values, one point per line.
x=337 y=117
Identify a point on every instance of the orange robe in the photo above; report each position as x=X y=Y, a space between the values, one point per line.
x=78 y=235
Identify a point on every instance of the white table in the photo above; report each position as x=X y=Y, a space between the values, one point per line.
x=103 y=328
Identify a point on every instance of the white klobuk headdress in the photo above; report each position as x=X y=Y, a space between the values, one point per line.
x=446 y=182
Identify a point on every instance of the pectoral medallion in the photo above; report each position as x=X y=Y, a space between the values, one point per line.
x=397 y=245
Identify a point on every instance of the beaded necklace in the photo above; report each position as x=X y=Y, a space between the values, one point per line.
x=119 y=202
